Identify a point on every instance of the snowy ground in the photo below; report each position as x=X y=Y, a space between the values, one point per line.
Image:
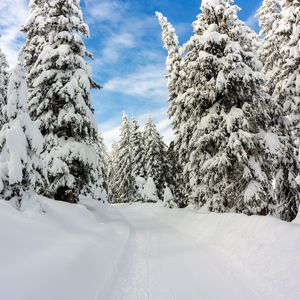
x=144 y=251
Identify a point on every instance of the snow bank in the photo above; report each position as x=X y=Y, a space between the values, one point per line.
x=264 y=250
x=68 y=252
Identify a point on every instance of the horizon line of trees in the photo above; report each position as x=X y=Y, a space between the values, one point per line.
x=140 y=166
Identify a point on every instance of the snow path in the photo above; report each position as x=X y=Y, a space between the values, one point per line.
x=161 y=263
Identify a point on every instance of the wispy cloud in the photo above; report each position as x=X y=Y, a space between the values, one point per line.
x=147 y=82
x=13 y=14
x=252 y=21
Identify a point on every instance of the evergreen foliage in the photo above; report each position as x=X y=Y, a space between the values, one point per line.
x=21 y=169
x=3 y=85
x=125 y=181
x=156 y=157
x=222 y=114
x=60 y=101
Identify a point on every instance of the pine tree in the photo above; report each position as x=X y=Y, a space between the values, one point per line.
x=169 y=200
x=156 y=157
x=113 y=173
x=61 y=103
x=138 y=159
x=97 y=187
x=287 y=81
x=223 y=114
x=125 y=181
x=137 y=151
x=269 y=17
x=150 y=191
x=21 y=170
x=177 y=85
x=3 y=85
x=36 y=30
x=176 y=181
x=285 y=163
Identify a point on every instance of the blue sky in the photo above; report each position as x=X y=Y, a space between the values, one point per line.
x=129 y=58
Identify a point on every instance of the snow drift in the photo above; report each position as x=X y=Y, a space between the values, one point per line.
x=61 y=251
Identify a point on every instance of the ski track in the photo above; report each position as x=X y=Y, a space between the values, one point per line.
x=161 y=263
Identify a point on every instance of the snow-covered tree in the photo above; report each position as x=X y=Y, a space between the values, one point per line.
x=137 y=151
x=138 y=159
x=36 y=30
x=176 y=183
x=288 y=79
x=3 y=85
x=156 y=157
x=21 y=169
x=97 y=187
x=125 y=180
x=113 y=173
x=269 y=16
x=177 y=84
x=169 y=199
x=150 y=191
x=61 y=102
x=222 y=114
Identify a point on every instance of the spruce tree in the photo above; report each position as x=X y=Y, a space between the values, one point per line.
x=21 y=169
x=285 y=163
x=269 y=17
x=176 y=181
x=97 y=187
x=223 y=114
x=177 y=85
x=125 y=180
x=60 y=101
x=113 y=173
x=138 y=159
x=36 y=30
x=287 y=81
x=156 y=157
x=3 y=85
x=137 y=151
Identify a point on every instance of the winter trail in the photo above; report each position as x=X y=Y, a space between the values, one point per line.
x=161 y=263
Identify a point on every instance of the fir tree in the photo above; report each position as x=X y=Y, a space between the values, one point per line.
x=287 y=81
x=97 y=187
x=222 y=114
x=285 y=163
x=137 y=151
x=61 y=103
x=150 y=191
x=113 y=173
x=37 y=30
x=138 y=159
x=124 y=181
x=178 y=113
x=21 y=170
x=156 y=157
x=269 y=16
x=176 y=181
x=3 y=85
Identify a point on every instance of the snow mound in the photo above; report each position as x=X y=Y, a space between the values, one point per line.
x=63 y=252
x=263 y=250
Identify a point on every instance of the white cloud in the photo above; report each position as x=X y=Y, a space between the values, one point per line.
x=13 y=16
x=107 y=10
x=147 y=83
x=252 y=21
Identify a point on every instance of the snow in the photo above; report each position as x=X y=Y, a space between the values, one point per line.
x=94 y=251
x=68 y=252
